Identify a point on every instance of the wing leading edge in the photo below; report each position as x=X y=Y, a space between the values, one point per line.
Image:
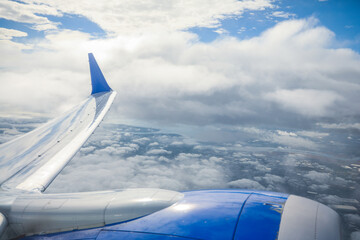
x=32 y=161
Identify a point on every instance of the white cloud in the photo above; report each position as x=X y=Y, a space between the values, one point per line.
x=133 y=16
x=114 y=172
x=312 y=134
x=318 y=176
x=142 y=140
x=285 y=133
x=246 y=184
x=293 y=141
x=319 y=188
x=288 y=139
x=282 y=14
x=287 y=75
x=117 y=150
x=29 y=13
x=273 y=179
x=221 y=31
x=158 y=152
x=333 y=200
x=119 y=163
x=340 y=125
x=242 y=29
x=87 y=150
x=7 y=34
x=305 y=101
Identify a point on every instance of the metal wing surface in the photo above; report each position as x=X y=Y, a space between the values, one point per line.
x=32 y=161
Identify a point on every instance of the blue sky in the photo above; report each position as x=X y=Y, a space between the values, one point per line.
x=341 y=17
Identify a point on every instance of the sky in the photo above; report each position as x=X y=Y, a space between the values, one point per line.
x=229 y=62
x=211 y=94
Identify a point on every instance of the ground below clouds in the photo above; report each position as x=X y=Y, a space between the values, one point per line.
x=315 y=164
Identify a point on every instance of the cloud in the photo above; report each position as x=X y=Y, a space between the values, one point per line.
x=318 y=176
x=246 y=184
x=313 y=134
x=334 y=200
x=340 y=125
x=158 y=152
x=118 y=150
x=273 y=179
x=287 y=76
x=138 y=171
x=353 y=219
x=29 y=13
x=293 y=141
x=8 y=34
x=142 y=140
x=304 y=101
x=282 y=14
x=130 y=16
x=319 y=187
x=283 y=138
x=284 y=133
x=123 y=162
x=221 y=31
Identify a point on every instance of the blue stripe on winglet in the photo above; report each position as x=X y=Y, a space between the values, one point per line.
x=98 y=81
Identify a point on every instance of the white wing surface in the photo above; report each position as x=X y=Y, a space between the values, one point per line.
x=32 y=161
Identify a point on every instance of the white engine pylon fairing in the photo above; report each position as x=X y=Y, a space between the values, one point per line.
x=30 y=163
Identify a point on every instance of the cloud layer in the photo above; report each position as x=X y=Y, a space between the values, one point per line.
x=126 y=16
x=289 y=75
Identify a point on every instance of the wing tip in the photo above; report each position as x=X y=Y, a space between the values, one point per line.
x=98 y=81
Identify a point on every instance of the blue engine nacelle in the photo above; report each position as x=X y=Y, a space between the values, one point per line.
x=225 y=214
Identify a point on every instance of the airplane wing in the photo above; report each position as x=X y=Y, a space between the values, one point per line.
x=32 y=161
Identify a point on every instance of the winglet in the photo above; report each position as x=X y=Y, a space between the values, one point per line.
x=98 y=81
